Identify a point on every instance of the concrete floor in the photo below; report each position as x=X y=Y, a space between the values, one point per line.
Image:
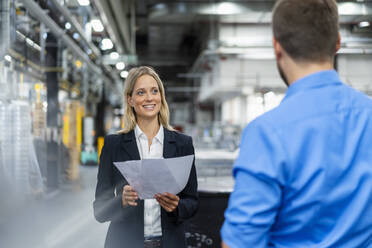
x=64 y=218
x=61 y=219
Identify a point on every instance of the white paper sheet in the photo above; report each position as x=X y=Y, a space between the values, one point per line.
x=151 y=176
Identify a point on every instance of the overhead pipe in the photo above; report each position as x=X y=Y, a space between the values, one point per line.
x=110 y=28
x=75 y=24
x=66 y=13
x=59 y=33
x=182 y=8
x=120 y=9
x=5 y=28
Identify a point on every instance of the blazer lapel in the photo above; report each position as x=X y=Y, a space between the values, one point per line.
x=129 y=144
x=170 y=147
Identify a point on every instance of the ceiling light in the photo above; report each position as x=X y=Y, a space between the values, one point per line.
x=120 y=66
x=363 y=24
x=114 y=55
x=8 y=58
x=68 y=25
x=75 y=36
x=30 y=42
x=227 y=8
x=97 y=25
x=106 y=44
x=84 y=2
x=124 y=74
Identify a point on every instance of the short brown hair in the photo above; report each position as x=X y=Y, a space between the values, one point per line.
x=130 y=120
x=306 y=29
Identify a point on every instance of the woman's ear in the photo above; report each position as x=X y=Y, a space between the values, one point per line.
x=130 y=101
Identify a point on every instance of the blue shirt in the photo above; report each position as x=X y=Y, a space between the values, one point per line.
x=303 y=177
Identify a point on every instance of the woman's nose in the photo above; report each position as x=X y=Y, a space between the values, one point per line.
x=148 y=97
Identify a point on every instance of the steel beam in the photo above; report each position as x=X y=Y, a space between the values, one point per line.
x=76 y=25
x=39 y=13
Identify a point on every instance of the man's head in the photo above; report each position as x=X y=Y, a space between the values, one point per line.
x=307 y=30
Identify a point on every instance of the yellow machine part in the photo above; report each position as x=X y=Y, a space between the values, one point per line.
x=100 y=142
x=79 y=126
x=66 y=127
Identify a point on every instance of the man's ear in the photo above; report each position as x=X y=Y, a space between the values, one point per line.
x=278 y=50
x=338 y=44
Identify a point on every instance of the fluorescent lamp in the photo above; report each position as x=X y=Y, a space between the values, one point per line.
x=8 y=58
x=97 y=25
x=124 y=74
x=68 y=25
x=114 y=55
x=84 y=2
x=120 y=66
x=30 y=42
x=363 y=24
x=106 y=44
x=227 y=8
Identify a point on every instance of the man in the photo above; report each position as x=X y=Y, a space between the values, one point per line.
x=303 y=177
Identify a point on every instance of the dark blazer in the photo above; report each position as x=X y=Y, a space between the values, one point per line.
x=126 y=229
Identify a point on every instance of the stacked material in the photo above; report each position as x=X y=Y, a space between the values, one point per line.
x=18 y=160
x=39 y=120
x=73 y=138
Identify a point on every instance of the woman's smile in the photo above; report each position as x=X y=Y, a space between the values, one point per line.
x=149 y=106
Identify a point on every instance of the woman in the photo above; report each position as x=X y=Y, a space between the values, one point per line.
x=147 y=134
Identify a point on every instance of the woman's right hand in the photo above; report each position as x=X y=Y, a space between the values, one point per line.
x=129 y=196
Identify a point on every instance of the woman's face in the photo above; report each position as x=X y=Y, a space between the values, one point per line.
x=146 y=98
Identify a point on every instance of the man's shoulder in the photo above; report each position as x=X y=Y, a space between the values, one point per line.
x=361 y=98
x=273 y=118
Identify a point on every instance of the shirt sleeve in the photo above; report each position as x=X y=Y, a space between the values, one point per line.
x=259 y=178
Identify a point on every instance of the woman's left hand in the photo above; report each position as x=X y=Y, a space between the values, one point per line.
x=168 y=201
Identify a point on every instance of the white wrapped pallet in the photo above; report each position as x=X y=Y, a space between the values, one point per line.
x=17 y=154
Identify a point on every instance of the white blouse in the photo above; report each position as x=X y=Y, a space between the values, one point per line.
x=152 y=219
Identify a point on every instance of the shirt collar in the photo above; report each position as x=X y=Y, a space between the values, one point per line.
x=315 y=80
x=159 y=136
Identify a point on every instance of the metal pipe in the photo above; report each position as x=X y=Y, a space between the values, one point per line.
x=59 y=33
x=109 y=25
x=75 y=24
x=132 y=25
x=5 y=25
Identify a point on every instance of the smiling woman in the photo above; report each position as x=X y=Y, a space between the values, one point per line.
x=146 y=98
x=138 y=85
x=157 y=222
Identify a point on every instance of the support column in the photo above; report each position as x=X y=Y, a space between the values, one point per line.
x=52 y=112
x=100 y=116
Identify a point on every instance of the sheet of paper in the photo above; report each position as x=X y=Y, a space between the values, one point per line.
x=151 y=176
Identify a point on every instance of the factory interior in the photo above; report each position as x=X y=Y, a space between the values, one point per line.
x=63 y=64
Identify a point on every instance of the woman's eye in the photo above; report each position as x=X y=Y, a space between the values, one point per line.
x=155 y=91
x=140 y=93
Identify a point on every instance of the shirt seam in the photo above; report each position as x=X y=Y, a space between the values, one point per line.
x=323 y=114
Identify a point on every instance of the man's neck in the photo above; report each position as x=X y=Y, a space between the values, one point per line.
x=297 y=70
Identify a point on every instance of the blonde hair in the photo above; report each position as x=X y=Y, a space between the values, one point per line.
x=129 y=114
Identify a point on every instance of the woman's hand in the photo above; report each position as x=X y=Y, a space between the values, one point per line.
x=129 y=196
x=168 y=201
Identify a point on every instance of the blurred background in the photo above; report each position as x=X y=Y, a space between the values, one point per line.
x=62 y=69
